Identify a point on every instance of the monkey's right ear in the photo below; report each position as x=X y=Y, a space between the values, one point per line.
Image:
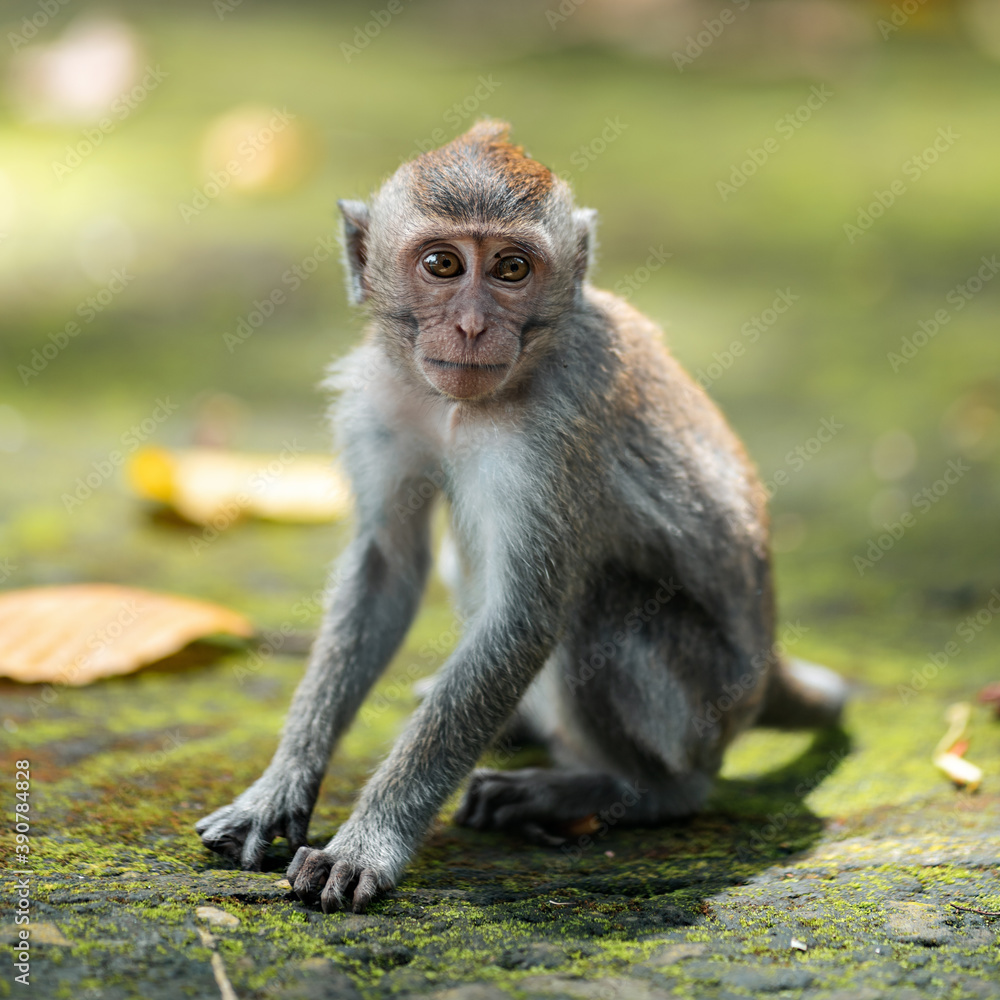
x=585 y=223
x=356 y=219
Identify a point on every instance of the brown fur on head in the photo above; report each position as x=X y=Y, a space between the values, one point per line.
x=481 y=202
x=481 y=176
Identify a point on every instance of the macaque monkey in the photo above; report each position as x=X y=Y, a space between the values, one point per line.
x=610 y=532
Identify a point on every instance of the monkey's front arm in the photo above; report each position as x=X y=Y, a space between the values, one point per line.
x=379 y=580
x=477 y=689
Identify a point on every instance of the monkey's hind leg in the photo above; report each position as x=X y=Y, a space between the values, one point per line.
x=621 y=722
x=547 y=805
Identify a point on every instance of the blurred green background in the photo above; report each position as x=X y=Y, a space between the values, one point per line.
x=720 y=189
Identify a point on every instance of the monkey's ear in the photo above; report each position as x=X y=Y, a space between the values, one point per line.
x=355 y=215
x=585 y=224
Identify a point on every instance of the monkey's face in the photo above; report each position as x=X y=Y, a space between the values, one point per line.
x=473 y=301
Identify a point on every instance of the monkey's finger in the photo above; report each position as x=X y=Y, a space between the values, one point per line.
x=312 y=877
x=526 y=819
x=491 y=797
x=338 y=887
x=226 y=842
x=293 y=869
x=366 y=891
x=481 y=815
x=468 y=803
x=208 y=821
x=217 y=820
x=254 y=848
x=330 y=900
x=464 y=808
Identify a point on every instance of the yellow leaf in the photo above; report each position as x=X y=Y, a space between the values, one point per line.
x=151 y=474
x=78 y=633
x=218 y=487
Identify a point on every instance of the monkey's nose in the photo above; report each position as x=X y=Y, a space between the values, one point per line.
x=470 y=329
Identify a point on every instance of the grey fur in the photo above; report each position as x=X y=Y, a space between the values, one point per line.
x=613 y=543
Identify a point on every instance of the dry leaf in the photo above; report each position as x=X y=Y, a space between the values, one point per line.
x=962 y=772
x=76 y=634
x=217 y=487
x=948 y=753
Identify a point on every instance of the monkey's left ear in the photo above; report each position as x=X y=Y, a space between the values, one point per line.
x=355 y=215
x=585 y=224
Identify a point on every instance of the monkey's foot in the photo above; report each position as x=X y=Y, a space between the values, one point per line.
x=243 y=830
x=538 y=804
x=335 y=880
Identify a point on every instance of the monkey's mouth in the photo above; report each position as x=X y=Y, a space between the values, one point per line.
x=464 y=379
x=466 y=365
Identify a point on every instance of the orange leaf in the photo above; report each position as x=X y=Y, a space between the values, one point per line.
x=76 y=634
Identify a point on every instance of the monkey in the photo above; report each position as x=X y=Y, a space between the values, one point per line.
x=609 y=531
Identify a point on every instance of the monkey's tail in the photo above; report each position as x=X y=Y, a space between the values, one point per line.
x=803 y=695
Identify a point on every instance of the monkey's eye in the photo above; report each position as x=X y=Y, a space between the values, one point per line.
x=443 y=264
x=511 y=269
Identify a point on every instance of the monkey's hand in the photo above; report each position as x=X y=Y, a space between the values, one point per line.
x=349 y=872
x=540 y=804
x=271 y=807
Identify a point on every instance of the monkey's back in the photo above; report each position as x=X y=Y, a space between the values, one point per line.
x=677 y=471
x=673 y=506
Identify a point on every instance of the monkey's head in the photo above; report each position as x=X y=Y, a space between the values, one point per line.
x=466 y=257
